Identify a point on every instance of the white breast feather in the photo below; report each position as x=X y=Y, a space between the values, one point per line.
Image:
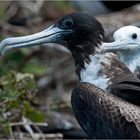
x=132 y=62
x=91 y=73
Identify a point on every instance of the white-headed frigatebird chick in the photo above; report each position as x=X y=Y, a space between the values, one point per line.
x=100 y=113
x=127 y=46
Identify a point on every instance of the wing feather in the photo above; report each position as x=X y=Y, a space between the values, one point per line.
x=103 y=115
x=127 y=90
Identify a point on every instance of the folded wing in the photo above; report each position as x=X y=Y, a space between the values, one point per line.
x=103 y=115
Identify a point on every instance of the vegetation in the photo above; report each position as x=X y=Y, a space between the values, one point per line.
x=17 y=94
x=20 y=69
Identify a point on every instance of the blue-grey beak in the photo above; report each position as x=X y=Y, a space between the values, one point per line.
x=118 y=46
x=51 y=35
x=112 y=46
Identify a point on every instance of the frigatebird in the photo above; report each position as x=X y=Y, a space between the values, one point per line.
x=127 y=47
x=100 y=112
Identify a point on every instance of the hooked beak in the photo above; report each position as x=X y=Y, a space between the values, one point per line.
x=118 y=46
x=112 y=47
x=51 y=35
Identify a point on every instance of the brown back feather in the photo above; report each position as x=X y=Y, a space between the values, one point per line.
x=103 y=114
x=115 y=70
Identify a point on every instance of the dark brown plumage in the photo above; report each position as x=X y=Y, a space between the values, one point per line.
x=103 y=115
x=112 y=113
x=114 y=69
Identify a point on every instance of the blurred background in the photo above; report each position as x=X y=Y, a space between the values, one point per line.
x=36 y=83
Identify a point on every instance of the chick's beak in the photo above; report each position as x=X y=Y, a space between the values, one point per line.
x=113 y=46
x=51 y=35
x=121 y=45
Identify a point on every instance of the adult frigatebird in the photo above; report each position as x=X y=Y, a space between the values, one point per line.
x=100 y=113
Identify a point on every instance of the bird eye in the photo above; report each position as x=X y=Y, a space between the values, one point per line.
x=134 y=36
x=68 y=23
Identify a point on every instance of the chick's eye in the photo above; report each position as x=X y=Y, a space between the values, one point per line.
x=68 y=23
x=134 y=36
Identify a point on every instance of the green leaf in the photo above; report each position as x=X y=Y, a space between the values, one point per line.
x=36 y=116
x=15 y=57
x=34 y=68
x=9 y=95
x=33 y=114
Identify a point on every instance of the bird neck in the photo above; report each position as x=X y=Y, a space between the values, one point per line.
x=83 y=47
x=82 y=56
x=131 y=59
x=93 y=72
x=80 y=61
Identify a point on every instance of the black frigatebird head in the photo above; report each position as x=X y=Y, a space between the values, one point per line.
x=81 y=33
